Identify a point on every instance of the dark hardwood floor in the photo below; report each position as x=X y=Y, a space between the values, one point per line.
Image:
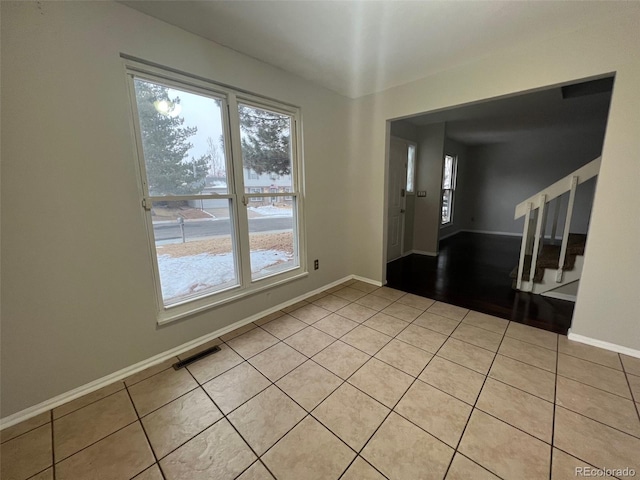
x=472 y=271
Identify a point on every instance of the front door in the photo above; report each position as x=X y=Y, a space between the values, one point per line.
x=398 y=151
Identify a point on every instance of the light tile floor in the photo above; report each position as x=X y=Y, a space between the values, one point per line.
x=360 y=383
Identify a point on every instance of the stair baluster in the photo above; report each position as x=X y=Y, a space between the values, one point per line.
x=534 y=209
x=567 y=226
x=536 y=242
x=523 y=247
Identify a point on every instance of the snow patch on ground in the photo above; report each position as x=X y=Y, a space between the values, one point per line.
x=271 y=211
x=182 y=276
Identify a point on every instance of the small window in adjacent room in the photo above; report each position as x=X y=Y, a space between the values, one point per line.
x=411 y=167
x=449 y=171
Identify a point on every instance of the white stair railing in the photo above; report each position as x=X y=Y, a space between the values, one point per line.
x=537 y=205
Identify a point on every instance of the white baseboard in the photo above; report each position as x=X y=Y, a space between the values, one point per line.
x=422 y=252
x=450 y=234
x=161 y=357
x=602 y=344
x=488 y=232
x=362 y=279
x=560 y=296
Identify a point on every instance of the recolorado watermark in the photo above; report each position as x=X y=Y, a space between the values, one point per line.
x=605 y=472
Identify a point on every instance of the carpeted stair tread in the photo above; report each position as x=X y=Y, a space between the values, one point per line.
x=576 y=244
x=549 y=257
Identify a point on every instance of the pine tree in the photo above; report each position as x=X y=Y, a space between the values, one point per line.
x=265 y=141
x=165 y=142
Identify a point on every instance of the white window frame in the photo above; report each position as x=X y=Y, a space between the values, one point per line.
x=230 y=98
x=452 y=190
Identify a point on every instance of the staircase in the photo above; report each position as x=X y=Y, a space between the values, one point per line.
x=556 y=262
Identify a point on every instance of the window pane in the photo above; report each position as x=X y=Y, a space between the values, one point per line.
x=446 y=206
x=411 y=159
x=195 y=248
x=272 y=235
x=447 y=174
x=182 y=141
x=266 y=149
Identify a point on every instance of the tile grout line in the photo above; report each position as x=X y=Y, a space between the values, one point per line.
x=555 y=400
x=28 y=431
x=478 y=464
x=517 y=388
x=95 y=401
x=449 y=336
x=572 y=455
x=570 y=378
x=139 y=420
x=590 y=361
x=224 y=417
x=95 y=442
x=597 y=388
x=164 y=404
x=359 y=452
x=392 y=409
x=621 y=370
x=309 y=413
x=456 y=449
x=633 y=398
x=600 y=422
x=53 y=446
x=535 y=344
x=124 y=381
x=40 y=472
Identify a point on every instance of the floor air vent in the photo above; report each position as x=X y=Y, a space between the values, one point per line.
x=196 y=357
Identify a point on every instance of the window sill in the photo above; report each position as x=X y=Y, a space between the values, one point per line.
x=178 y=312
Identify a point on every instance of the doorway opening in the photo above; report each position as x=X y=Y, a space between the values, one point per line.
x=402 y=157
x=468 y=239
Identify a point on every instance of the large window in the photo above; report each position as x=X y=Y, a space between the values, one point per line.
x=449 y=171
x=212 y=237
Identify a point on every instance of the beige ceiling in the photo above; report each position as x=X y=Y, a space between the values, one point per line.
x=360 y=47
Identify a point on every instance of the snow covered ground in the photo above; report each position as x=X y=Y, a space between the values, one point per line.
x=271 y=211
x=182 y=276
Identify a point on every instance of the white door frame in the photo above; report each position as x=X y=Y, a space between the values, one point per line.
x=387 y=190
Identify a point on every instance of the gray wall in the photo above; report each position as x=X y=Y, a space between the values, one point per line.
x=495 y=178
x=429 y=177
x=78 y=298
x=406 y=130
